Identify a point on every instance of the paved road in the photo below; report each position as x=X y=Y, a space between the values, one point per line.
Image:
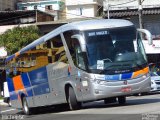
x=137 y=108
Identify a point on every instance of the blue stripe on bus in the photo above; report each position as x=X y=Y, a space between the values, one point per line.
x=39 y=81
x=126 y=76
x=27 y=84
x=39 y=84
x=13 y=95
x=12 y=92
x=112 y=77
x=9 y=58
x=119 y=76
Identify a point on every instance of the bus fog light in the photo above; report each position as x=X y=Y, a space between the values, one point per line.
x=145 y=76
x=97 y=91
x=98 y=81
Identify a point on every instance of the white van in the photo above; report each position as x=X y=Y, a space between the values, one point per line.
x=5 y=93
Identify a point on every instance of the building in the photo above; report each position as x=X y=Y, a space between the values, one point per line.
x=83 y=8
x=53 y=7
x=128 y=9
x=130 y=4
x=6 y=5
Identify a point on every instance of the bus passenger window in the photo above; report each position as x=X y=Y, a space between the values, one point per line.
x=56 y=51
x=61 y=55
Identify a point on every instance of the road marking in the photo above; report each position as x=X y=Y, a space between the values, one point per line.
x=7 y=110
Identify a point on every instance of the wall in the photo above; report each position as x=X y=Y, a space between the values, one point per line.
x=132 y=5
x=150 y=22
x=78 y=2
x=80 y=11
x=7 y=5
x=81 y=8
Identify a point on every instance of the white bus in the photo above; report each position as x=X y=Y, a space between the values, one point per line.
x=5 y=94
x=80 y=62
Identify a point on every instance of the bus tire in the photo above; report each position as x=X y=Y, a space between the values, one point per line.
x=72 y=100
x=25 y=106
x=122 y=100
x=110 y=100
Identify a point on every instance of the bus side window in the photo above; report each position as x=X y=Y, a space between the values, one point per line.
x=79 y=57
x=57 y=52
x=77 y=54
x=70 y=43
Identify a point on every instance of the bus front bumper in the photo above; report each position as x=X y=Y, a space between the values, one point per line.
x=104 y=89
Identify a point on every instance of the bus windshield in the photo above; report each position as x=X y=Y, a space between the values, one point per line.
x=114 y=50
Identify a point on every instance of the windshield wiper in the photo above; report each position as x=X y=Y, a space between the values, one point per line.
x=108 y=68
x=118 y=65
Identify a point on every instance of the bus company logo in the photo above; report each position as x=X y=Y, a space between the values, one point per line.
x=122 y=71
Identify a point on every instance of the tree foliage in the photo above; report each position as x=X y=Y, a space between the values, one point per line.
x=18 y=37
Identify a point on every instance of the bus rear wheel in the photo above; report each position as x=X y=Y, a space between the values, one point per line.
x=72 y=100
x=122 y=100
x=25 y=106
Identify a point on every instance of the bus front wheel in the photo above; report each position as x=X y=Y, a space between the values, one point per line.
x=26 y=109
x=72 y=100
x=122 y=100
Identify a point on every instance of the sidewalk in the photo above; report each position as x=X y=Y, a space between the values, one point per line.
x=2 y=103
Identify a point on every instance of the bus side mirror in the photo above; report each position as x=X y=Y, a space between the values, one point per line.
x=81 y=41
x=148 y=35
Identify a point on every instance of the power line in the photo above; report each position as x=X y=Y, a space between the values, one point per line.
x=77 y=15
x=123 y=3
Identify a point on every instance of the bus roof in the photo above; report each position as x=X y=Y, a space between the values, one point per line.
x=81 y=25
x=97 y=24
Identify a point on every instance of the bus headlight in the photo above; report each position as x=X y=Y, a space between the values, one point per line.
x=145 y=76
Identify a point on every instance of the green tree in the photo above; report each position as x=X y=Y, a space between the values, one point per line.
x=15 y=39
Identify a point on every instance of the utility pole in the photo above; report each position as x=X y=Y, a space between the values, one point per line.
x=140 y=13
x=106 y=7
x=36 y=15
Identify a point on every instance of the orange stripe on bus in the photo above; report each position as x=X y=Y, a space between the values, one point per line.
x=140 y=72
x=16 y=54
x=18 y=84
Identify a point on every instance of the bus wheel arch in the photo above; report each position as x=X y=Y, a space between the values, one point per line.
x=67 y=90
x=71 y=98
x=25 y=107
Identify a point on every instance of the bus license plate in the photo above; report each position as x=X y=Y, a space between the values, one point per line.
x=126 y=89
